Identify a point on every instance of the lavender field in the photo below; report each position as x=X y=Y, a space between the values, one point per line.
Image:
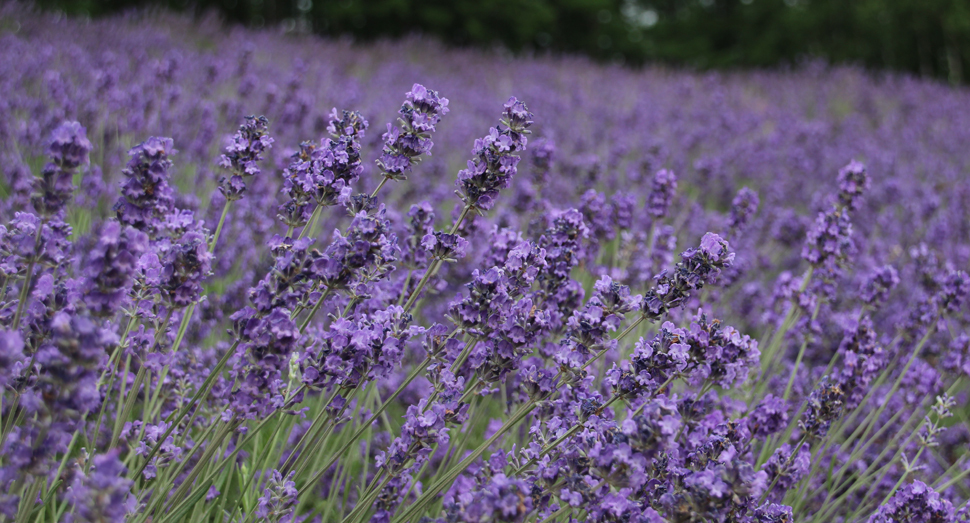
x=250 y=276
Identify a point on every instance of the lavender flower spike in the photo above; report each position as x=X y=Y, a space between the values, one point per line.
x=146 y=197
x=495 y=160
x=404 y=145
x=68 y=151
x=242 y=155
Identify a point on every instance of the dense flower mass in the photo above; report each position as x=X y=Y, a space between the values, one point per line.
x=292 y=319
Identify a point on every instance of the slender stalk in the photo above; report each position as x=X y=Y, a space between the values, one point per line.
x=379 y=186
x=798 y=359
x=222 y=221
x=364 y=426
x=312 y=223
x=181 y=413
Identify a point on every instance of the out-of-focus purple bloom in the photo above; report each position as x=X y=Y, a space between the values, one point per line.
x=876 y=288
x=12 y=359
x=743 y=208
x=111 y=266
x=146 y=197
x=829 y=242
x=68 y=151
x=853 y=182
x=662 y=190
x=914 y=503
x=103 y=494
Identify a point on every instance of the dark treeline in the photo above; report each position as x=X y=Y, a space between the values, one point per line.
x=926 y=37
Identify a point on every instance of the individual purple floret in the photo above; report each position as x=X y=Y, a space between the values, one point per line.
x=243 y=154
x=662 y=190
x=495 y=160
x=404 y=145
x=914 y=503
x=146 y=197
x=279 y=498
x=68 y=151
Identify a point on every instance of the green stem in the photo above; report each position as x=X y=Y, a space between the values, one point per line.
x=222 y=220
x=312 y=223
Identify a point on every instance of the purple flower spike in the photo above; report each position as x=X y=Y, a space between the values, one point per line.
x=495 y=160
x=146 y=197
x=111 y=266
x=914 y=503
x=278 y=501
x=661 y=193
x=404 y=145
x=243 y=154
x=68 y=151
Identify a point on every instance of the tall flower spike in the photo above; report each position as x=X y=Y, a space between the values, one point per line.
x=698 y=267
x=146 y=197
x=242 y=155
x=824 y=406
x=68 y=151
x=323 y=173
x=495 y=159
x=110 y=267
x=661 y=193
x=404 y=145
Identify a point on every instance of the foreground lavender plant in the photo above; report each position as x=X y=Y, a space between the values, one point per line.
x=261 y=328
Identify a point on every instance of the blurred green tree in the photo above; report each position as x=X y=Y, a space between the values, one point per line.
x=926 y=37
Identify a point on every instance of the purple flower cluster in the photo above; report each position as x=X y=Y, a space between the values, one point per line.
x=405 y=144
x=495 y=162
x=243 y=154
